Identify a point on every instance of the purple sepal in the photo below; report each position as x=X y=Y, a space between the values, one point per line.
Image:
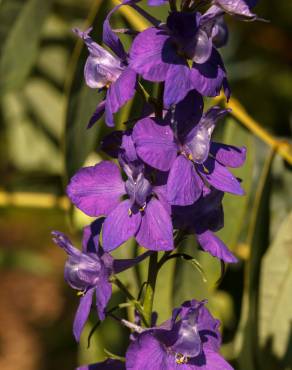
x=239 y=8
x=228 y=155
x=108 y=364
x=82 y=313
x=120 y=265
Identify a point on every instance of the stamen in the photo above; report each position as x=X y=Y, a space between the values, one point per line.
x=142 y=209
x=206 y=169
x=190 y=157
x=130 y=212
x=81 y=293
x=181 y=359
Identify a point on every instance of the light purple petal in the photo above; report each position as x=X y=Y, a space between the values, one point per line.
x=82 y=313
x=109 y=364
x=212 y=244
x=220 y=177
x=103 y=293
x=120 y=226
x=156 y=2
x=97 y=114
x=152 y=54
x=96 y=190
x=177 y=84
x=146 y=353
x=156 y=232
x=161 y=193
x=236 y=7
x=207 y=78
x=119 y=92
x=228 y=155
x=155 y=144
x=184 y=185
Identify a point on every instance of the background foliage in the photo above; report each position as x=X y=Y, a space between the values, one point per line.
x=44 y=108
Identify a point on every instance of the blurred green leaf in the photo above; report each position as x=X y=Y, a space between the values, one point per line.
x=25 y=260
x=275 y=314
x=257 y=240
x=20 y=31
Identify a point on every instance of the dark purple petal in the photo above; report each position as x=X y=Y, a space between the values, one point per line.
x=96 y=190
x=212 y=244
x=228 y=155
x=82 y=313
x=90 y=239
x=177 y=84
x=220 y=177
x=109 y=364
x=183 y=25
x=138 y=189
x=103 y=293
x=155 y=144
x=119 y=92
x=111 y=143
x=119 y=226
x=207 y=78
x=120 y=265
x=128 y=147
x=156 y=231
x=110 y=38
x=97 y=114
x=152 y=54
x=147 y=353
x=184 y=185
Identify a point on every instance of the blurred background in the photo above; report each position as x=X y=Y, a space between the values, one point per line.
x=44 y=109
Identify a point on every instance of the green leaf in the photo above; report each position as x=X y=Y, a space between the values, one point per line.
x=275 y=314
x=20 y=32
x=257 y=240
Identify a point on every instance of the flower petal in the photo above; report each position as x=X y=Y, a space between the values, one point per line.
x=146 y=353
x=207 y=78
x=228 y=155
x=219 y=177
x=178 y=83
x=237 y=7
x=96 y=190
x=155 y=232
x=119 y=226
x=82 y=313
x=212 y=244
x=119 y=92
x=214 y=361
x=184 y=185
x=156 y=2
x=155 y=144
x=90 y=239
x=103 y=293
x=97 y=114
x=152 y=54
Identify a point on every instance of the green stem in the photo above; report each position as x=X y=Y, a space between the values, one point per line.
x=150 y=288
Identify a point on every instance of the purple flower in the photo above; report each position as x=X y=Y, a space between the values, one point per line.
x=104 y=70
x=189 y=341
x=89 y=270
x=190 y=156
x=240 y=8
x=162 y=54
x=105 y=365
x=202 y=219
x=156 y=2
x=98 y=191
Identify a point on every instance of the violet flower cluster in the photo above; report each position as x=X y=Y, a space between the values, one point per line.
x=167 y=175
